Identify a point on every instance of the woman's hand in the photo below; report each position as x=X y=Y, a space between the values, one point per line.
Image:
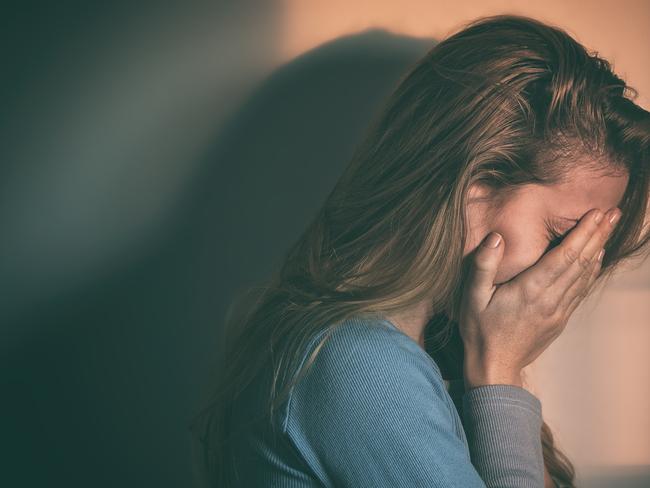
x=506 y=327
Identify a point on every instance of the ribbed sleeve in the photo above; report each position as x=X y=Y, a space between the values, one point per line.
x=502 y=424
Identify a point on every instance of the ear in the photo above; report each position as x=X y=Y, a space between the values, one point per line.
x=478 y=192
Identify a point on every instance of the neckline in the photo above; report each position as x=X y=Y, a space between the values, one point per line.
x=385 y=321
x=388 y=322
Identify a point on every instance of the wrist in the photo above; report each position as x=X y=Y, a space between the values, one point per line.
x=478 y=374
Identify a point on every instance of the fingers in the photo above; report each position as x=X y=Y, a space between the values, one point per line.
x=581 y=288
x=580 y=270
x=482 y=273
x=558 y=260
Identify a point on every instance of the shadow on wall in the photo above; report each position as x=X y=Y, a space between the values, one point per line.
x=105 y=388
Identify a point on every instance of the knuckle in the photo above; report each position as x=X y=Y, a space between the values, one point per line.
x=533 y=293
x=585 y=263
x=560 y=317
x=578 y=297
x=530 y=291
x=592 y=279
x=570 y=254
x=547 y=306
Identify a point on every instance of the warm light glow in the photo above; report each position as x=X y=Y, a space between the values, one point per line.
x=618 y=30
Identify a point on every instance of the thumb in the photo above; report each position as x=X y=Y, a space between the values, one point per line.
x=483 y=269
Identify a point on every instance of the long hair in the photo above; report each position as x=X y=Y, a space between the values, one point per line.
x=506 y=101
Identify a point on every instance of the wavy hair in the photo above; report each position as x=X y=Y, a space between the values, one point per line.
x=506 y=101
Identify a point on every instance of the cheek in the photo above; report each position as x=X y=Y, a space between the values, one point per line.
x=521 y=252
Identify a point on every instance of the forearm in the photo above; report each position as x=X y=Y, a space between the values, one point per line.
x=503 y=424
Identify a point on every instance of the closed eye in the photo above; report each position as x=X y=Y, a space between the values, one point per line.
x=554 y=238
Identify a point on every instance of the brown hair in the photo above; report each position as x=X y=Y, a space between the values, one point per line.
x=506 y=101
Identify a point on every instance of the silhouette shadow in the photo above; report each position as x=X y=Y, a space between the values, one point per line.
x=107 y=387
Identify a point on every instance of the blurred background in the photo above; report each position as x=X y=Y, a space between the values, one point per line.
x=157 y=157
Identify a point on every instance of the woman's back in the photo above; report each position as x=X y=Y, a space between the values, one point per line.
x=373 y=410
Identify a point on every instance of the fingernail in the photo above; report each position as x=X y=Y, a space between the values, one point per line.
x=601 y=254
x=614 y=217
x=598 y=217
x=492 y=240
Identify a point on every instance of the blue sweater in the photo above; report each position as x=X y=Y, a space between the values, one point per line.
x=374 y=411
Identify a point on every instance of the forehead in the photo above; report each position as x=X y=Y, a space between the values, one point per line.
x=570 y=199
x=582 y=192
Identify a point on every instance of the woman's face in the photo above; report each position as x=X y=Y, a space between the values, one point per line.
x=526 y=217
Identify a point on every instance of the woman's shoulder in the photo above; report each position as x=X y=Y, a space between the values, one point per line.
x=372 y=343
x=359 y=361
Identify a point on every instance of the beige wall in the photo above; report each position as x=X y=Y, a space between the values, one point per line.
x=594 y=381
x=618 y=30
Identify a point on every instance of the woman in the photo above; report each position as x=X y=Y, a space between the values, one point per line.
x=466 y=229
